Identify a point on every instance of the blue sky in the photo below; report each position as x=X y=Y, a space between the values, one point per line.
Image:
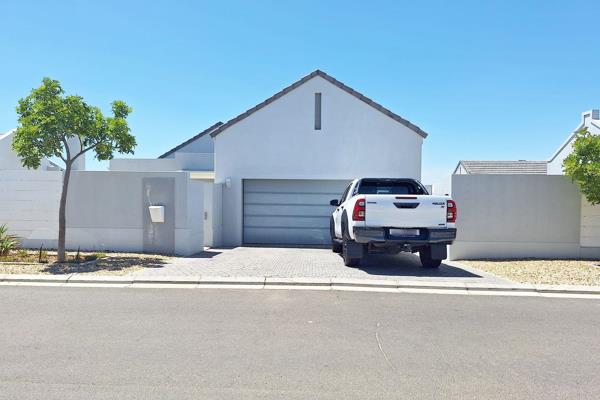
x=486 y=80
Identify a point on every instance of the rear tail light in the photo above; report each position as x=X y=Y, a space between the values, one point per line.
x=358 y=214
x=450 y=211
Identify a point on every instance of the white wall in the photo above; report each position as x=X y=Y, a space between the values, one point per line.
x=590 y=224
x=105 y=210
x=279 y=142
x=517 y=216
x=29 y=203
x=204 y=144
x=179 y=162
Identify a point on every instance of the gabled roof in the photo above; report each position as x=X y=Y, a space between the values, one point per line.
x=504 y=167
x=335 y=82
x=198 y=136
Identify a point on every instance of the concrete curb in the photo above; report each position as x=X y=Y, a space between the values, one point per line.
x=226 y=282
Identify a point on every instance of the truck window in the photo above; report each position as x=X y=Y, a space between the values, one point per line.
x=390 y=186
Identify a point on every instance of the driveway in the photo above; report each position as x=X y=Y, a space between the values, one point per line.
x=311 y=263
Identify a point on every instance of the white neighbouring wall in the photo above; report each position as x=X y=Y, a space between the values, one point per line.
x=279 y=142
x=519 y=216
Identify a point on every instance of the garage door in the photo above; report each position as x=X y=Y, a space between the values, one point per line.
x=289 y=211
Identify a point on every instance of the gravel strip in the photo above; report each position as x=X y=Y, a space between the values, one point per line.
x=112 y=264
x=551 y=272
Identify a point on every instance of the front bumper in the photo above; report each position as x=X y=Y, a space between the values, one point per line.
x=426 y=236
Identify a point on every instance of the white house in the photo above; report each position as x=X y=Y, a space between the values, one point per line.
x=11 y=162
x=282 y=161
x=264 y=177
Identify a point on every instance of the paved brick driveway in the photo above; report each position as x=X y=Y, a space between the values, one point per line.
x=310 y=263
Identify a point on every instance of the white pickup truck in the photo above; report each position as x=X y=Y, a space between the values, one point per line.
x=392 y=215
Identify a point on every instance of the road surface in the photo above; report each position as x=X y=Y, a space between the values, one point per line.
x=109 y=343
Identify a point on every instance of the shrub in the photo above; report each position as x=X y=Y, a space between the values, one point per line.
x=7 y=242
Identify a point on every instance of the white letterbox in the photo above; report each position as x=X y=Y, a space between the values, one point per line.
x=157 y=214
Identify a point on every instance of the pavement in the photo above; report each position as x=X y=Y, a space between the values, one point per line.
x=311 y=263
x=94 y=343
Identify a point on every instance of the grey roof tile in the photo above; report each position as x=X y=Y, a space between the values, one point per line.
x=505 y=167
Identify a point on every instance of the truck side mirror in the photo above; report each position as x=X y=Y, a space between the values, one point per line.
x=334 y=203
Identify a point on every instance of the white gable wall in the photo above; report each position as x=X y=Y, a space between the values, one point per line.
x=591 y=121
x=203 y=144
x=279 y=142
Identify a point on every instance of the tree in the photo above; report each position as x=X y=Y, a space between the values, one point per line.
x=583 y=165
x=48 y=120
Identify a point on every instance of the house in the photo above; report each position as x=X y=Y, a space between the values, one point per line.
x=11 y=162
x=281 y=162
x=521 y=209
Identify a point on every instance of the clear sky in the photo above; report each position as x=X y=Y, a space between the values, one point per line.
x=486 y=80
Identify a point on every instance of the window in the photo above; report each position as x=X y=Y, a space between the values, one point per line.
x=317 y=111
x=345 y=194
x=390 y=186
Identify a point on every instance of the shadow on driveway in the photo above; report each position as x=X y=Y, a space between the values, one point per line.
x=409 y=265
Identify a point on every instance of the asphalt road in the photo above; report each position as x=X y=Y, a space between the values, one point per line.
x=94 y=343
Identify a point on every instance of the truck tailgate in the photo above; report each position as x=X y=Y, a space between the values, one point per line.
x=405 y=211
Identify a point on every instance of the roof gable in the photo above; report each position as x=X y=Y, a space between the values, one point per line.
x=198 y=136
x=331 y=80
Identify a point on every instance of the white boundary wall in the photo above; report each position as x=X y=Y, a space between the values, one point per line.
x=518 y=216
x=106 y=210
x=29 y=203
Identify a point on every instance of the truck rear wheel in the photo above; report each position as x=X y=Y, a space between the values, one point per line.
x=426 y=260
x=348 y=246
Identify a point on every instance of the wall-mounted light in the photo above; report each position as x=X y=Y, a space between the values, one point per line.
x=228 y=183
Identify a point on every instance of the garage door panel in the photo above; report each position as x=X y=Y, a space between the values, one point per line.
x=283 y=222
x=289 y=198
x=257 y=210
x=295 y=186
x=289 y=211
x=290 y=236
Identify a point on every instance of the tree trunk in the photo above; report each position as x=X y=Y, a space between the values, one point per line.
x=62 y=226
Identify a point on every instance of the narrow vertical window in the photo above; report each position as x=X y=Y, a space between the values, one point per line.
x=317 y=111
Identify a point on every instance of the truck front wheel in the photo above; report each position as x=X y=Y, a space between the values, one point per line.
x=426 y=260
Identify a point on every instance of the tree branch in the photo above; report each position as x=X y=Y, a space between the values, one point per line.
x=86 y=149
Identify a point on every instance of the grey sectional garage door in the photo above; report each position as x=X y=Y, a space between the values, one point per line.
x=289 y=211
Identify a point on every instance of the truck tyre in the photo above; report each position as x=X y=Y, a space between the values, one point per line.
x=426 y=260
x=346 y=241
x=336 y=245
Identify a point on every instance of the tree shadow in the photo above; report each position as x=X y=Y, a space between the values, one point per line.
x=108 y=264
x=409 y=265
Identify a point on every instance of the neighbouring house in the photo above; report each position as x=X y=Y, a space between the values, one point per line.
x=520 y=209
x=501 y=167
x=277 y=165
x=9 y=161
